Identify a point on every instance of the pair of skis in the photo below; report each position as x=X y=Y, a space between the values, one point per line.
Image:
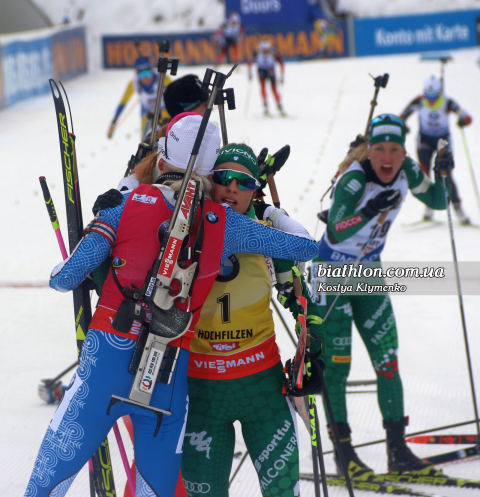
x=100 y=468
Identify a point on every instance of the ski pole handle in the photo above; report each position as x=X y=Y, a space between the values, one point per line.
x=273 y=190
x=164 y=64
x=53 y=215
x=379 y=82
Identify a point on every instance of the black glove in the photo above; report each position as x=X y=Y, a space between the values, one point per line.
x=444 y=163
x=272 y=165
x=112 y=198
x=260 y=206
x=286 y=295
x=358 y=141
x=383 y=202
x=323 y=216
x=464 y=121
x=312 y=381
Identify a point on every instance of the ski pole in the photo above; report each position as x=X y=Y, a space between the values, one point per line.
x=378 y=82
x=441 y=147
x=163 y=47
x=247 y=98
x=282 y=319
x=321 y=460
x=470 y=167
x=164 y=64
x=121 y=448
x=126 y=114
x=336 y=437
x=308 y=403
x=244 y=457
x=372 y=236
x=223 y=96
x=53 y=217
x=50 y=382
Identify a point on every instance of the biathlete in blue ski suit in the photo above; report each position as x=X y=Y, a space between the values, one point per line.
x=130 y=233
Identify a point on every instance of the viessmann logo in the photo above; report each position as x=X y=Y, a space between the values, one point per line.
x=171 y=253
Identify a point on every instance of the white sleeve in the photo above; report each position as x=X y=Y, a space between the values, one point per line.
x=130 y=183
x=283 y=222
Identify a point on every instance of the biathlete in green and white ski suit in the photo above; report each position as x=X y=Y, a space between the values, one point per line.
x=350 y=223
x=235 y=374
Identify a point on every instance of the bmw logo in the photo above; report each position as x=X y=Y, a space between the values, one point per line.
x=211 y=217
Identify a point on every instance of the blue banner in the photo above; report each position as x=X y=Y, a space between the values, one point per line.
x=26 y=65
x=263 y=12
x=321 y=39
x=442 y=31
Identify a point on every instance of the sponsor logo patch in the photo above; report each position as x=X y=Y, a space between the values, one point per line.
x=211 y=217
x=145 y=199
x=341 y=358
x=348 y=223
x=224 y=346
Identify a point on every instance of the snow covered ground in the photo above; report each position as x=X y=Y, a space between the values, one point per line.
x=329 y=103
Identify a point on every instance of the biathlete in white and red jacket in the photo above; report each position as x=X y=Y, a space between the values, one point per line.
x=266 y=57
x=433 y=109
x=130 y=232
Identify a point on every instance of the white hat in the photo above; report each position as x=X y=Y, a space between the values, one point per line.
x=264 y=45
x=177 y=146
x=432 y=87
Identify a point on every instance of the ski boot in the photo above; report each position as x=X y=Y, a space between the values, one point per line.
x=355 y=466
x=428 y=216
x=464 y=219
x=265 y=109
x=400 y=458
x=280 y=109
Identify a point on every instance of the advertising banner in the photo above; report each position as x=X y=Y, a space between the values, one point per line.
x=267 y=12
x=321 y=39
x=26 y=67
x=418 y=33
x=28 y=61
x=69 y=54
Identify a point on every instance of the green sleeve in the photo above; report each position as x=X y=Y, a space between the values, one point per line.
x=348 y=193
x=429 y=192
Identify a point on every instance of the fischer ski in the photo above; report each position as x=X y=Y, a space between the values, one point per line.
x=102 y=474
x=428 y=476
x=376 y=487
x=444 y=439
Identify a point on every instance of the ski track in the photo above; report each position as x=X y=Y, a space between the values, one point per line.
x=330 y=100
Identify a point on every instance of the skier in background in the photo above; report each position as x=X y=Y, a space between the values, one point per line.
x=266 y=57
x=227 y=37
x=145 y=83
x=433 y=109
x=376 y=181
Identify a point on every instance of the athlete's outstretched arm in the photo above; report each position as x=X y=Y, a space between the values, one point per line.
x=243 y=235
x=91 y=250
